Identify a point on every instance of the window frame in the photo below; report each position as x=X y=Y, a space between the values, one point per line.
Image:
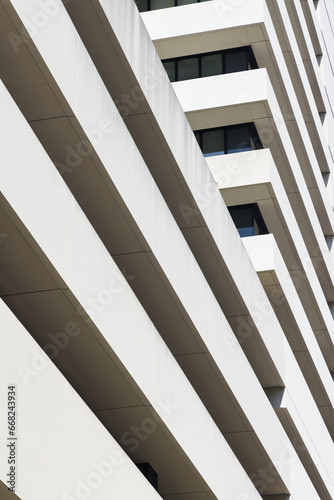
x=253 y=134
x=252 y=64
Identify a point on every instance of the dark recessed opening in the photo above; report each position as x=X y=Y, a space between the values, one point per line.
x=248 y=220
x=147 y=470
x=231 y=139
x=210 y=64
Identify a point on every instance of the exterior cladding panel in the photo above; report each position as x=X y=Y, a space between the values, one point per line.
x=137 y=327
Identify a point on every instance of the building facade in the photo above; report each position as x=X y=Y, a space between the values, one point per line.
x=166 y=233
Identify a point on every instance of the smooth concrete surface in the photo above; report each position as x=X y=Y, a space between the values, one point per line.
x=79 y=267
x=176 y=270
x=295 y=199
x=210 y=17
x=270 y=266
x=317 y=152
x=100 y=412
x=203 y=100
x=251 y=177
x=268 y=53
x=64 y=278
x=227 y=217
x=230 y=29
x=61 y=450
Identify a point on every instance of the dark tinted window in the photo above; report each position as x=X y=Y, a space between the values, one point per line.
x=236 y=60
x=170 y=69
x=213 y=142
x=213 y=63
x=231 y=139
x=238 y=139
x=188 y=69
x=248 y=220
x=142 y=5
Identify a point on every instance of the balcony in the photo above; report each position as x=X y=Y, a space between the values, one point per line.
x=252 y=177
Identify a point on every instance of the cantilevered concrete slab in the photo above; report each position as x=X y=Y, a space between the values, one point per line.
x=78 y=111
x=117 y=411
x=75 y=302
x=248 y=97
x=252 y=177
x=61 y=449
x=178 y=32
x=51 y=132
x=281 y=292
x=156 y=162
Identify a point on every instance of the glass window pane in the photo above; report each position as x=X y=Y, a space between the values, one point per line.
x=248 y=219
x=161 y=4
x=142 y=5
x=213 y=142
x=238 y=139
x=243 y=219
x=212 y=65
x=188 y=68
x=246 y=231
x=185 y=2
x=237 y=60
x=170 y=69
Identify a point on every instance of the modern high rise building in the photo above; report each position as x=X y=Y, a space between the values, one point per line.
x=166 y=249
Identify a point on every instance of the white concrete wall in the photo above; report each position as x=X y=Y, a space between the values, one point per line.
x=265 y=256
x=62 y=451
x=199 y=40
x=205 y=101
x=256 y=172
x=40 y=198
x=93 y=261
